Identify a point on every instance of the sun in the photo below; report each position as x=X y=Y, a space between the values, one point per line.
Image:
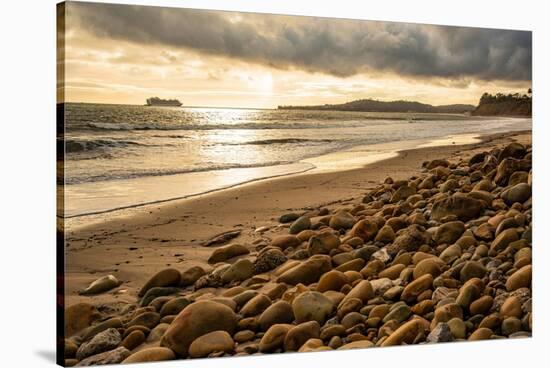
x=264 y=83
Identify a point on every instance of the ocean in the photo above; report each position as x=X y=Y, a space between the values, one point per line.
x=119 y=156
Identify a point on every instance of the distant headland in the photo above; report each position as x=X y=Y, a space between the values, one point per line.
x=371 y=105
x=489 y=105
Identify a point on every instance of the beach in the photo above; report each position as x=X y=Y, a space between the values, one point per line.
x=424 y=245
x=134 y=244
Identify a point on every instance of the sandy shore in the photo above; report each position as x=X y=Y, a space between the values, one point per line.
x=134 y=244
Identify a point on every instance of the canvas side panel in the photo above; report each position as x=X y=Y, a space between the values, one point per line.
x=60 y=175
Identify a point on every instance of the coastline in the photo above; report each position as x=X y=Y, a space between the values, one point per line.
x=136 y=243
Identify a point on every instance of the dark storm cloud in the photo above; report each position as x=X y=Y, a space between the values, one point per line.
x=337 y=47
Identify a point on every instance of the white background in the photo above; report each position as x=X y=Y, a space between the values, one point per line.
x=27 y=180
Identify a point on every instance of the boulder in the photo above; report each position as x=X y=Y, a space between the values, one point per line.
x=216 y=341
x=196 y=320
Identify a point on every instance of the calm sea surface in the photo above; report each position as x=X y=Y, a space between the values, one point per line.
x=108 y=145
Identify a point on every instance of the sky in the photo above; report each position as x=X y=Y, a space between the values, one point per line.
x=124 y=54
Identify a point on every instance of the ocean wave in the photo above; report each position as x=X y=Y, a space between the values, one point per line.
x=146 y=173
x=75 y=146
x=279 y=141
x=239 y=126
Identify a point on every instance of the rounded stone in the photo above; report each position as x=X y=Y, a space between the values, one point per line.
x=163 y=278
x=277 y=313
x=364 y=229
x=399 y=314
x=361 y=344
x=174 y=306
x=224 y=253
x=520 y=278
x=255 y=306
x=362 y=291
x=101 y=285
x=269 y=260
x=406 y=333
x=274 y=337
x=322 y=243
x=155 y=354
x=416 y=287
x=307 y=272
x=79 y=316
x=482 y=333
x=519 y=193
x=216 y=341
x=342 y=220
x=312 y=305
x=451 y=253
x=102 y=342
x=238 y=271
x=286 y=241
x=244 y=336
x=481 y=305
x=431 y=266
x=133 y=340
x=510 y=326
x=191 y=275
x=299 y=334
x=504 y=238
x=392 y=272
x=472 y=269
x=300 y=224
x=147 y=319
x=385 y=235
x=449 y=232
x=332 y=280
x=511 y=307
x=458 y=328
x=196 y=320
